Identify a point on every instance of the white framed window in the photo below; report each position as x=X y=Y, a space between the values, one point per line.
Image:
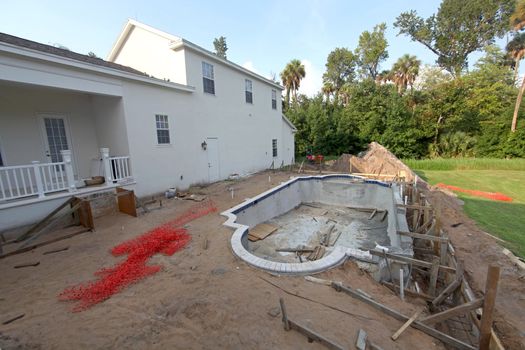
x=208 y=78
x=274 y=99
x=274 y=147
x=163 y=129
x=248 y=90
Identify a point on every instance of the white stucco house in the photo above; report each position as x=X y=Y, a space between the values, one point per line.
x=160 y=112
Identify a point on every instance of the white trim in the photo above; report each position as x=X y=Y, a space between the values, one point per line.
x=183 y=43
x=176 y=44
x=115 y=49
x=70 y=62
x=290 y=124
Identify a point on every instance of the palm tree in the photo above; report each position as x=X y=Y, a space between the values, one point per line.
x=517 y=19
x=404 y=72
x=516 y=50
x=291 y=77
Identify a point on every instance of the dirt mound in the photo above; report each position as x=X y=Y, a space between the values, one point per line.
x=376 y=160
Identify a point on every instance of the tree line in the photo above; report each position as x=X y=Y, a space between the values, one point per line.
x=443 y=110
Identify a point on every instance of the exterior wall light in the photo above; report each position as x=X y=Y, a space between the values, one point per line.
x=204 y=145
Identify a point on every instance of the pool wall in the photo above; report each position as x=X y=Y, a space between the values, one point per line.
x=336 y=189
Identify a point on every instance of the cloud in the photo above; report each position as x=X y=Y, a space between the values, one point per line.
x=313 y=81
x=249 y=65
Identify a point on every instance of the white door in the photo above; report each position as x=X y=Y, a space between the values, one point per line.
x=56 y=137
x=213 y=159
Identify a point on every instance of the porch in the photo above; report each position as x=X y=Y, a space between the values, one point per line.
x=40 y=180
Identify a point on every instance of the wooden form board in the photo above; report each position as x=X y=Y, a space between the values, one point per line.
x=261 y=231
x=85 y=215
x=126 y=202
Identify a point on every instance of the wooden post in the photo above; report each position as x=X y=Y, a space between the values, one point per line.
x=38 y=179
x=68 y=165
x=284 y=314
x=433 y=276
x=491 y=288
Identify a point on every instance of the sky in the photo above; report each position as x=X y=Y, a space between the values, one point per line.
x=262 y=35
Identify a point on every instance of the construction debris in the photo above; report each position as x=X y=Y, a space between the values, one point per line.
x=36 y=263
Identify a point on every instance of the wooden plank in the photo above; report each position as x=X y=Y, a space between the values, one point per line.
x=422 y=236
x=295 y=250
x=33 y=264
x=42 y=231
x=491 y=288
x=412 y=261
x=126 y=203
x=434 y=271
x=373 y=214
x=453 y=312
x=446 y=292
x=85 y=215
x=361 y=340
x=395 y=288
x=445 y=338
x=310 y=334
x=12 y=319
x=261 y=231
x=26 y=249
x=44 y=221
x=56 y=250
x=406 y=325
x=414 y=206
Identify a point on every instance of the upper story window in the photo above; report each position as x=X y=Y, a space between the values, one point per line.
x=163 y=129
x=208 y=81
x=274 y=147
x=274 y=99
x=248 y=89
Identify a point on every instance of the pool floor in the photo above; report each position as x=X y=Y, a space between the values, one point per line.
x=304 y=225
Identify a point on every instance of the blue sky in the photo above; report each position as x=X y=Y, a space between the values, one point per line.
x=261 y=35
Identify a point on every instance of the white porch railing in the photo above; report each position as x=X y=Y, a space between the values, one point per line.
x=40 y=179
x=120 y=168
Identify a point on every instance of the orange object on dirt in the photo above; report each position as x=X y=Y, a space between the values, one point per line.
x=166 y=239
x=495 y=196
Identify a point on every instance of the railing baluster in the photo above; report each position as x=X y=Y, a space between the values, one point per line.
x=29 y=177
x=4 y=195
x=17 y=187
x=23 y=180
x=9 y=184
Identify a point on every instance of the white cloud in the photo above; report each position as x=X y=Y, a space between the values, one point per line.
x=313 y=80
x=249 y=65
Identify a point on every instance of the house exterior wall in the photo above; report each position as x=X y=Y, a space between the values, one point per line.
x=288 y=143
x=21 y=133
x=148 y=52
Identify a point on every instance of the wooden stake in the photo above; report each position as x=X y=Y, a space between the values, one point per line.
x=491 y=288
x=406 y=325
x=453 y=312
x=284 y=314
x=433 y=276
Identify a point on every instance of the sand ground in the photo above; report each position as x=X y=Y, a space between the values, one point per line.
x=208 y=299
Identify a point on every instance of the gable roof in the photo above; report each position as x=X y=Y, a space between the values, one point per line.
x=290 y=124
x=20 y=46
x=33 y=45
x=177 y=43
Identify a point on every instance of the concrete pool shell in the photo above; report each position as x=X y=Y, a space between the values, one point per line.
x=335 y=190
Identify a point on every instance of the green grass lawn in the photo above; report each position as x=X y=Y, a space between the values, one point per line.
x=502 y=219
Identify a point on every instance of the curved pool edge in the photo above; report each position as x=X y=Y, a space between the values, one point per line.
x=335 y=258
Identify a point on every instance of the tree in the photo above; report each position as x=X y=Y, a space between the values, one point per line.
x=517 y=19
x=371 y=51
x=291 y=76
x=516 y=50
x=340 y=70
x=459 y=28
x=404 y=72
x=220 y=46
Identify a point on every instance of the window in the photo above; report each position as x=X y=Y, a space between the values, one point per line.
x=274 y=99
x=163 y=129
x=208 y=81
x=248 y=90
x=274 y=147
